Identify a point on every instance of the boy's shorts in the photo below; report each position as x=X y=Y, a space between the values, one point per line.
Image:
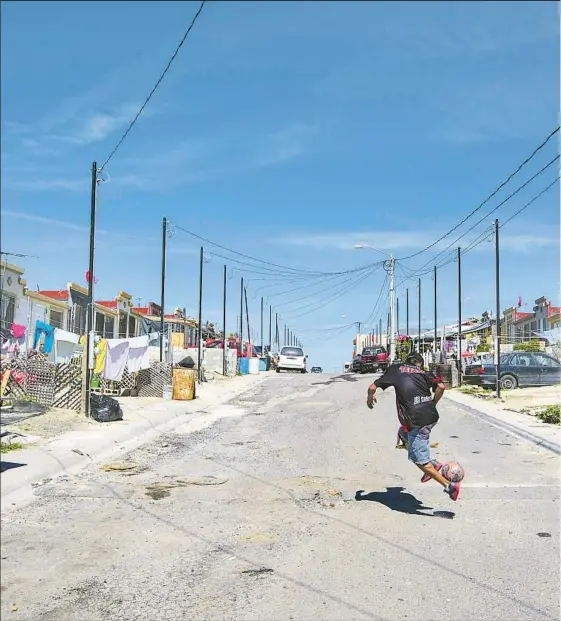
x=418 y=445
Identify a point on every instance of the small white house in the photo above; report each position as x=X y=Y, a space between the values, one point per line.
x=13 y=301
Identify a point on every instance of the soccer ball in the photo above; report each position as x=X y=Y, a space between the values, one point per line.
x=452 y=471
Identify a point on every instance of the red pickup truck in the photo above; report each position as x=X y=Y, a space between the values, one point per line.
x=374 y=358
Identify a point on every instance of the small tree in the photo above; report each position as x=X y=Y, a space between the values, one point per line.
x=533 y=345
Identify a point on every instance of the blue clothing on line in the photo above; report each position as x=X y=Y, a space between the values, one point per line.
x=49 y=332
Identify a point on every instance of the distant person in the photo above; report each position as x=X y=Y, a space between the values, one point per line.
x=417 y=413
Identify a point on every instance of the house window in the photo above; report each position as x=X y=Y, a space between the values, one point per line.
x=122 y=325
x=132 y=326
x=104 y=326
x=8 y=310
x=56 y=318
x=78 y=320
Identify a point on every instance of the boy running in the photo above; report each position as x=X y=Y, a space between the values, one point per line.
x=417 y=413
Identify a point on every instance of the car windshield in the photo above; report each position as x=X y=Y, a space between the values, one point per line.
x=292 y=351
x=372 y=351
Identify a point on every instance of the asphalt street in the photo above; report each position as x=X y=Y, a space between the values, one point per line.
x=295 y=505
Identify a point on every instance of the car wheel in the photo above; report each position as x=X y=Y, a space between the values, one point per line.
x=278 y=370
x=303 y=370
x=508 y=382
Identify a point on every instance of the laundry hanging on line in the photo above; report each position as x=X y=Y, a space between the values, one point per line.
x=47 y=333
x=117 y=353
x=139 y=357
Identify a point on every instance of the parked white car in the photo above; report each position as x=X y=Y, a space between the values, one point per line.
x=292 y=359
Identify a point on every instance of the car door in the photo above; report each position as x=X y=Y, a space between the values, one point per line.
x=550 y=370
x=526 y=369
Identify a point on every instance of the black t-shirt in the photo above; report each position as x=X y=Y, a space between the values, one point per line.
x=413 y=387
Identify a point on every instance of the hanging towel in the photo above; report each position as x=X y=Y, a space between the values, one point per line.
x=48 y=331
x=139 y=358
x=115 y=359
x=67 y=337
x=100 y=358
x=64 y=351
x=17 y=331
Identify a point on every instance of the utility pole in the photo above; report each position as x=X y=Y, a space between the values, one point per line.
x=262 y=339
x=270 y=329
x=497 y=312
x=90 y=316
x=200 y=332
x=435 y=316
x=163 y=291
x=247 y=315
x=389 y=266
x=419 y=336
x=397 y=315
x=241 y=318
x=407 y=311
x=380 y=331
x=277 y=332
x=225 y=339
x=285 y=336
x=460 y=315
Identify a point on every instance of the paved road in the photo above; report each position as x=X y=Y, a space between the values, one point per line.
x=261 y=517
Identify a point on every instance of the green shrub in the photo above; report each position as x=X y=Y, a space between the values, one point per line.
x=7 y=447
x=533 y=345
x=483 y=348
x=551 y=414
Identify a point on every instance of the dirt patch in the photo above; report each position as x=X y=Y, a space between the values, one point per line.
x=53 y=423
x=160 y=490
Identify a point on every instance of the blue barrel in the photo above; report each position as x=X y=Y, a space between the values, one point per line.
x=262 y=364
x=244 y=366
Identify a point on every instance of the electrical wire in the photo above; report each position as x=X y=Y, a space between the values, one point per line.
x=494 y=193
x=282 y=267
x=162 y=76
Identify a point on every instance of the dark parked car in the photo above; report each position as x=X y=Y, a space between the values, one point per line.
x=356 y=365
x=317 y=370
x=518 y=368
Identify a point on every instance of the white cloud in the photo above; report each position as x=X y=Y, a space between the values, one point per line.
x=40 y=185
x=405 y=241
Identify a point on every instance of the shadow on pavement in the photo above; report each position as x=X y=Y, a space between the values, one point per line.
x=396 y=499
x=339 y=378
x=10 y=465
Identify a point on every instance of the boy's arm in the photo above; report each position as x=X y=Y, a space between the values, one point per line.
x=371 y=397
x=438 y=392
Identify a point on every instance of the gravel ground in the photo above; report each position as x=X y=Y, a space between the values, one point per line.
x=301 y=509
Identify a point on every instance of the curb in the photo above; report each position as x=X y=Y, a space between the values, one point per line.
x=508 y=427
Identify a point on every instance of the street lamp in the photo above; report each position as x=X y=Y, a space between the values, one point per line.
x=389 y=266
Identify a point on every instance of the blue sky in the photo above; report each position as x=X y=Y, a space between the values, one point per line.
x=289 y=131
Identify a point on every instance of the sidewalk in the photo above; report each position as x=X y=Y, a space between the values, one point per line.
x=505 y=416
x=93 y=442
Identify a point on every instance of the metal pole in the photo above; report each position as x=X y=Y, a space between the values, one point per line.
x=276 y=332
x=392 y=307
x=225 y=340
x=262 y=339
x=435 y=316
x=460 y=315
x=497 y=311
x=163 y=291
x=241 y=319
x=407 y=311
x=397 y=315
x=270 y=329
x=90 y=316
x=247 y=314
x=380 y=332
x=419 y=335
x=200 y=334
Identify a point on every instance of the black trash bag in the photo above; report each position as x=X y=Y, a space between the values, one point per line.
x=187 y=363
x=105 y=409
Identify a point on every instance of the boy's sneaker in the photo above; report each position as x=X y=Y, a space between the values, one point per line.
x=453 y=490
x=427 y=477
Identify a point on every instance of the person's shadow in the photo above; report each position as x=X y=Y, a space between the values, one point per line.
x=396 y=499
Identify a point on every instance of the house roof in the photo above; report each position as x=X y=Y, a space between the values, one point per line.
x=61 y=294
x=522 y=316
x=108 y=303
x=141 y=310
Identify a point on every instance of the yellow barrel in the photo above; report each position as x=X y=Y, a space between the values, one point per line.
x=184 y=384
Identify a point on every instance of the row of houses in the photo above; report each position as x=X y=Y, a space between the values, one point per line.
x=67 y=308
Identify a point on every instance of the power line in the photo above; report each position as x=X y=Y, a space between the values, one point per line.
x=282 y=267
x=141 y=110
x=529 y=203
x=494 y=193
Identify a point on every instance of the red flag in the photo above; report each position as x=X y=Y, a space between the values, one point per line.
x=88 y=277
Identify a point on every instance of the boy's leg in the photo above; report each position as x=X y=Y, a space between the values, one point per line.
x=419 y=454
